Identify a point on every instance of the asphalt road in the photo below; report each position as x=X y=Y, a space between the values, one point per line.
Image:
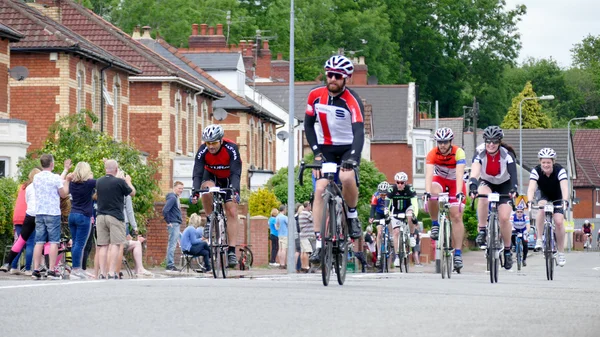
x=417 y=304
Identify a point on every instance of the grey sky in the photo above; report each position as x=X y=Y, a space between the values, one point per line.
x=552 y=27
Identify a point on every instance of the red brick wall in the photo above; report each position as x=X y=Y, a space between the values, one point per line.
x=39 y=65
x=586 y=208
x=157 y=236
x=259 y=239
x=145 y=93
x=39 y=116
x=392 y=158
x=4 y=77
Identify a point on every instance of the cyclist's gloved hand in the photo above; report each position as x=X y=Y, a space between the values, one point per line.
x=566 y=203
x=349 y=164
x=460 y=197
x=319 y=159
x=513 y=194
x=473 y=190
x=426 y=196
x=236 y=195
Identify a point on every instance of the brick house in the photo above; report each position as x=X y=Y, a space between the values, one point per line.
x=65 y=73
x=587 y=184
x=246 y=123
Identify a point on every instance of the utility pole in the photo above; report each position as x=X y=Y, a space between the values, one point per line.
x=475 y=116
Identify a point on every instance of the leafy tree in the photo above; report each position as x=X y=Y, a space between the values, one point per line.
x=8 y=196
x=71 y=137
x=532 y=115
x=586 y=53
x=262 y=201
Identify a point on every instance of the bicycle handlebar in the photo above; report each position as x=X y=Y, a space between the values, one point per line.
x=481 y=195
x=304 y=165
x=216 y=189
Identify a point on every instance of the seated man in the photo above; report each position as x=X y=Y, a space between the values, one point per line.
x=192 y=243
x=587 y=232
x=135 y=247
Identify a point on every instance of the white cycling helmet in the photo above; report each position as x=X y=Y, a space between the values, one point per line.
x=547 y=153
x=339 y=64
x=383 y=187
x=401 y=176
x=213 y=133
x=443 y=134
x=586 y=222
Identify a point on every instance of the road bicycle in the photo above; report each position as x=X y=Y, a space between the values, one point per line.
x=549 y=235
x=246 y=257
x=444 y=242
x=385 y=248
x=494 y=245
x=403 y=243
x=335 y=238
x=218 y=242
x=519 y=248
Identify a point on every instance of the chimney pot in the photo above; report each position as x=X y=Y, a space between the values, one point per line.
x=146 y=32
x=248 y=51
x=136 y=33
x=265 y=45
x=361 y=60
x=279 y=57
x=194 y=29
x=203 y=29
x=219 y=29
x=211 y=30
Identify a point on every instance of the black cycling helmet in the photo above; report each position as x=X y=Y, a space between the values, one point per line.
x=493 y=132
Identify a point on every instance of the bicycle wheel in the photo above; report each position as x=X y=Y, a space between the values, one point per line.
x=400 y=250
x=548 y=251
x=441 y=245
x=341 y=258
x=248 y=257
x=213 y=242
x=327 y=249
x=223 y=251
x=447 y=248
x=519 y=249
x=493 y=250
x=406 y=253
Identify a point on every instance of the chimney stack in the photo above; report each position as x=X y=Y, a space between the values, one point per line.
x=136 y=33
x=263 y=63
x=359 y=77
x=146 y=32
x=207 y=41
x=280 y=69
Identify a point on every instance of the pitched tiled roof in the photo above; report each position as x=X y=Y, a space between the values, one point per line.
x=10 y=34
x=111 y=38
x=215 y=61
x=536 y=139
x=43 y=33
x=455 y=124
x=231 y=100
x=389 y=103
x=587 y=173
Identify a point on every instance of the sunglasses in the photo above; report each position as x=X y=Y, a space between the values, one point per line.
x=400 y=182
x=213 y=143
x=336 y=75
x=492 y=141
x=443 y=142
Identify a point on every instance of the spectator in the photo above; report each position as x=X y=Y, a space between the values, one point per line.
x=282 y=227
x=110 y=221
x=417 y=248
x=370 y=243
x=49 y=188
x=129 y=216
x=135 y=247
x=274 y=238
x=587 y=234
x=26 y=236
x=173 y=218
x=81 y=186
x=299 y=209
x=305 y=221
x=193 y=244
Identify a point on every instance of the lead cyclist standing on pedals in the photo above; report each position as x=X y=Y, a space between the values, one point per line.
x=403 y=199
x=335 y=132
x=551 y=179
x=444 y=170
x=218 y=163
x=495 y=167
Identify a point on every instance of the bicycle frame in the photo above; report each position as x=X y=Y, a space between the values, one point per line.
x=444 y=242
x=549 y=236
x=403 y=240
x=384 y=246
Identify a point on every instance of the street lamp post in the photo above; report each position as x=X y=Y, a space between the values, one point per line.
x=541 y=98
x=570 y=178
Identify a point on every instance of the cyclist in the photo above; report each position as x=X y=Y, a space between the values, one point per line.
x=335 y=132
x=403 y=199
x=520 y=224
x=218 y=163
x=551 y=179
x=587 y=231
x=444 y=170
x=380 y=210
x=494 y=170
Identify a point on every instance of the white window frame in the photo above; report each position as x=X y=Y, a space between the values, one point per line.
x=191 y=122
x=203 y=120
x=80 y=89
x=6 y=162
x=178 y=123
x=116 y=107
x=251 y=143
x=597 y=196
x=420 y=157
x=95 y=86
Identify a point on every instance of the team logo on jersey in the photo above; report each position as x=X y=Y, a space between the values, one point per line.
x=200 y=153
x=340 y=114
x=230 y=148
x=218 y=167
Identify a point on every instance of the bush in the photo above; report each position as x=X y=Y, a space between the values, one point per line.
x=470 y=221
x=261 y=202
x=72 y=138
x=8 y=195
x=192 y=208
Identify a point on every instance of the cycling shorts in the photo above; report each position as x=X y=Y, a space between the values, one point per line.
x=220 y=182
x=397 y=222
x=503 y=188
x=449 y=185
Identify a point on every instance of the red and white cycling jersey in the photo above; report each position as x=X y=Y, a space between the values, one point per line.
x=335 y=115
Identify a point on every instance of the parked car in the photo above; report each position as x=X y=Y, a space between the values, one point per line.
x=532 y=237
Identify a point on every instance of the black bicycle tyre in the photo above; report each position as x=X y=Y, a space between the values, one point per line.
x=224 y=252
x=327 y=249
x=448 y=248
x=400 y=250
x=341 y=259
x=406 y=254
x=214 y=249
x=442 y=244
x=493 y=262
x=519 y=249
x=548 y=252
x=249 y=257
x=384 y=253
